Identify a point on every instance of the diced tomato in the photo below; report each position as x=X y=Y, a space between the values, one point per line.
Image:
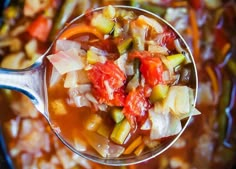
x=139 y=54
x=167 y=39
x=108 y=82
x=220 y=38
x=40 y=28
x=196 y=4
x=136 y=105
x=152 y=69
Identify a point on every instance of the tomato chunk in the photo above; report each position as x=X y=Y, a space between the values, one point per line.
x=108 y=82
x=152 y=69
x=167 y=39
x=139 y=54
x=136 y=105
x=40 y=28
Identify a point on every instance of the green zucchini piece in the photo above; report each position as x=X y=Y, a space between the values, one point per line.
x=159 y=92
x=120 y=132
x=103 y=24
x=124 y=45
x=117 y=115
x=175 y=59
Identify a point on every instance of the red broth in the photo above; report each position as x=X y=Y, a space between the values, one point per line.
x=120 y=83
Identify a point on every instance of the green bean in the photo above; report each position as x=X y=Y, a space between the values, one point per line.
x=64 y=14
x=223 y=104
x=232 y=66
x=153 y=8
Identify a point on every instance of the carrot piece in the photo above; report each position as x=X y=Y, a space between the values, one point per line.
x=225 y=49
x=195 y=34
x=140 y=149
x=180 y=3
x=133 y=145
x=213 y=78
x=80 y=29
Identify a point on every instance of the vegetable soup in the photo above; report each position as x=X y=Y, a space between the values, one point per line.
x=119 y=83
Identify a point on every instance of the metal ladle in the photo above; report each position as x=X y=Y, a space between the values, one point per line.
x=32 y=82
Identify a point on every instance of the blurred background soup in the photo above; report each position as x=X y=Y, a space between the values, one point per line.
x=26 y=30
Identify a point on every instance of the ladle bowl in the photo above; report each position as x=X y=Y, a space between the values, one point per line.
x=32 y=82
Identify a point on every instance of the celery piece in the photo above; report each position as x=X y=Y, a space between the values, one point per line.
x=138 y=43
x=159 y=92
x=102 y=23
x=109 y=11
x=124 y=45
x=120 y=132
x=175 y=59
x=117 y=30
x=117 y=114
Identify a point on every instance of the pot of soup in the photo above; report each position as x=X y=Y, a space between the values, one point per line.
x=28 y=28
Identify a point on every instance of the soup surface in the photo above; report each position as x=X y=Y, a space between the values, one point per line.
x=119 y=83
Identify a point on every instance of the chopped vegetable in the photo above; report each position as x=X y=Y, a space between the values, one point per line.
x=179 y=100
x=117 y=30
x=66 y=61
x=133 y=145
x=108 y=79
x=163 y=123
x=223 y=105
x=159 y=92
x=58 y=107
x=109 y=12
x=152 y=23
x=93 y=122
x=104 y=130
x=103 y=24
x=120 y=132
x=80 y=29
x=64 y=45
x=117 y=114
x=94 y=57
x=102 y=145
x=124 y=45
x=135 y=103
x=139 y=149
x=71 y=79
x=62 y=17
x=175 y=59
x=40 y=28
x=152 y=69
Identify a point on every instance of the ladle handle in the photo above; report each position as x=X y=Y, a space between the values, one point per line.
x=27 y=81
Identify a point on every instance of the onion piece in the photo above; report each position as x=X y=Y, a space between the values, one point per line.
x=102 y=145
x=67 y=61
x=55 y=77
x=152 y=23
x=164 y=124
x=71 y=79
x=155 y=48
x=98 y=51
x=180 y=100
x=81 y=101
x=121 y=62
x=64 y=45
